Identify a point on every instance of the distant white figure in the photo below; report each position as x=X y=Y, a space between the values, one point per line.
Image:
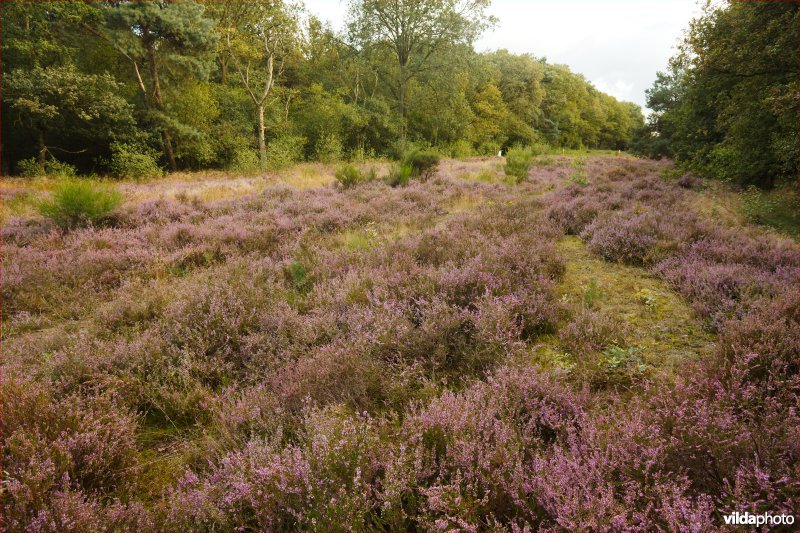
x=500 y=153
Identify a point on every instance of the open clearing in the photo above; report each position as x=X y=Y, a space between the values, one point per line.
x=277 y=352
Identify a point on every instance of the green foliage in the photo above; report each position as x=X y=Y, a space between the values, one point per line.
x=778 y=208
x=328 y=148
x=246 y=161
x=30 y=168
x=299 y=278
x=755 y=204
x=399 y=176
x=578 y=174
x=285 y=150
x=132 y=161
x=75 y=203
x=727 y=106
x=622 y=364
x=592 y=294
x=69 y=82
x=518 y=162
x=349 y=176
x=423 y=163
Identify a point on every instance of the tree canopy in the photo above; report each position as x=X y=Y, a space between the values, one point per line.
x=235 y=84
x=727 y=107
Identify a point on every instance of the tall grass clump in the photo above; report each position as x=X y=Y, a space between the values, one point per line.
x=519 y=161
x=76 y=203
x=400 y=176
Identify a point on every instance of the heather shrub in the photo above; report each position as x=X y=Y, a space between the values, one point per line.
x=322 y=482
x=53 y=443
x=131 y=161
x=610 y=473
x=589 y=331
x=622 y=237
x=75 y=203
x=464 y=461
x=518 y=162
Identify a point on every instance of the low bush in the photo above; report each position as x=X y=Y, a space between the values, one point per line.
x=518 y=162
x=244 y=160
x=423 y=163
x=30 y=168
x=349 y=176
x=285 y=150
x=131 y=161
x=589 y=332
x=328 y=148
x=75 y=203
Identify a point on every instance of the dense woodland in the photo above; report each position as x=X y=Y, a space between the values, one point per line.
x=126 y=88
x=727 y=107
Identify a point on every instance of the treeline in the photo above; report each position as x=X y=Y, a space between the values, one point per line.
x=727 y=107
x=131 y=88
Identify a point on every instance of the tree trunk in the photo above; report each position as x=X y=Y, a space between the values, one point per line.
x=42 y=150
x=262 y=141
x=403 y=110
x=159 y=104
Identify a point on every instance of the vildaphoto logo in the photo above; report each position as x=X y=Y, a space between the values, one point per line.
x=766 y=519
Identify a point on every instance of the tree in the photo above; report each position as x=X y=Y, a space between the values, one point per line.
x=728 y=106
x=262 y=36
x=172 y=37
x=61 y=97
x=402 y=38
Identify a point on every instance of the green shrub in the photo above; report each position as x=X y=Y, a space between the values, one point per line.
x=349 y=176
x=75 y=203
x=132 y=161
x=285 y=150
x=30 y=168
x=755 y=204
x=622 y=365
x=328 y=148
x=298 y=276
x=459 y=149
x=592 y=294
x=518 y=162
x=244 y=160
x=578 y=174
x=400 y=176
x=423 y=163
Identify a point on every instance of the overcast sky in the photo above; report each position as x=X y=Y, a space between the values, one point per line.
x=617 y=44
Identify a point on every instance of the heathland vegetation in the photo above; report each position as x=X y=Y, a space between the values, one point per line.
x=347 y=317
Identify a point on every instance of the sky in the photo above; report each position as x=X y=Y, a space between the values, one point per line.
x=618 y=45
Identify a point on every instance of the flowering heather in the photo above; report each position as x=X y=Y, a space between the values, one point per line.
x=369 y=358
